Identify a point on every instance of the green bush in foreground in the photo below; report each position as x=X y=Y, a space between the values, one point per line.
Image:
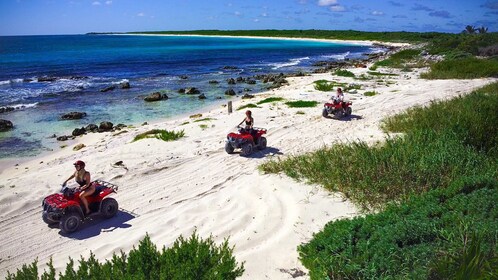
x=466 y=68
x=301 y=104
x=344 y=73
x=191 y=258
x=270 y=100
x=414 y=240
x=161 y=134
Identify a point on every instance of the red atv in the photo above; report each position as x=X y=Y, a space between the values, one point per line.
x=337 y=108
x=66 y=208
x=246 y=139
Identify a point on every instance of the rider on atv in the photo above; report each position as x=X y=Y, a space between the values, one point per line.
x=338 y=98
x=249 y=120
x=82 y=177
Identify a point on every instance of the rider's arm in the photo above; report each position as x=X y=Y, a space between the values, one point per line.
x=70 y=177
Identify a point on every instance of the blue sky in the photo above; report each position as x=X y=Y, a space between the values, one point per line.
x=34 y=17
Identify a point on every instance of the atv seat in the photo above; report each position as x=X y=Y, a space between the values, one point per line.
x=98 y=189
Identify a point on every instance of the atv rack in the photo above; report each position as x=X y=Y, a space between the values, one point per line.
x=106 y=184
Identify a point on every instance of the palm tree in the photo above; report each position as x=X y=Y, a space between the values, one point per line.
x=469 y=29
x=482 y=29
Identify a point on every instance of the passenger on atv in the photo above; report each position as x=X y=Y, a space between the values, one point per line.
x=82 y=177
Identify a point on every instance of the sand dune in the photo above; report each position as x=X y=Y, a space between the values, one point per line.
x=172 y=188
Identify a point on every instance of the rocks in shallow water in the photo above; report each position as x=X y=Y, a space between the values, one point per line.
x=124 y=85
x=6 y=125
x=202 y=96
x=108 y=89
x=78 y=131
x=182 y=90
x=91 y=128
x=78 y=147
x=214 y=82
x=63 y=138
x=230 y=91
x=156 y=96
x=192 y=90
x=73 y=116
x=240 y=79
x=251 y=81
x=183 y=77
x=120 y=126
x=247 y=96
x=231 y=81
x=105 y=126
x=230 y=67
x=46 y=79
x=6 y=109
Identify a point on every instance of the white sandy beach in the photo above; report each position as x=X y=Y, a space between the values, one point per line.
x=169 y=189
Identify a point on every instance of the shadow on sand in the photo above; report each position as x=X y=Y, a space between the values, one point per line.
x=265 y=152
x=94 y=225
x=345 y=119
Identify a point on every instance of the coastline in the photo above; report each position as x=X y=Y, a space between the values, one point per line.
x=172 y=188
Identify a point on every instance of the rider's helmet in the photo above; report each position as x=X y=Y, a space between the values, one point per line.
x=80 y=163
x=248 y=113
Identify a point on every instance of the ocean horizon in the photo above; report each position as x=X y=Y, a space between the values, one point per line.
x=45 y=76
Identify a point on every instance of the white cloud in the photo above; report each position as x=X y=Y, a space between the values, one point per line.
x=108 y=2
x=141 y=14
x=96 y=3
x=264 y=14
x=256 y=20
x=377 y=13
x=237 y=13
x=326 y=2
x=337 y=8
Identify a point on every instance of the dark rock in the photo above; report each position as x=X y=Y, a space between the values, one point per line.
x=53 y=136
x=183 y=77
x=124 y=85
x=6 y=109
x=47 y=79
x=247 y=89
x=27 y=80
x=145 y=123
x=250 y=81
x=62 y=138
x=247 y=96
x=105 y=126
x=192 y=90
x=108 y=89
x=73 y=116
x=92 y=128
x=219 y=97
x=202 y=96
x=231 y=81
x=230 y=67
x=182 y=90
x=156 y=96
x=5 y=125
x=121 y=125
x=214 y=82
x=78 y=131
x=230 y=91
x=240 y=80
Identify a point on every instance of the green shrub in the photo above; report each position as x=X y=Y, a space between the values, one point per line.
x=301 y=104
x=270 y=100
x=467 y=68
x=161 y=134
x=324 y=85
x=404 y=241
x=381 y=74
x=373 y=67
x=344 y=73
x=250 y=105
x=399 y=59
x=300 y=113
x=191 y=258
x=203 y=126
x=370 y=93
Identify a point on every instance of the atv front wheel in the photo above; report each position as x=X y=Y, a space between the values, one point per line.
x=109 y=208
x=246 y=149
x=70 y=222
x=46 y=219
x=325 y=113
x=348 y=111
x=228 y=148
x=262 y=143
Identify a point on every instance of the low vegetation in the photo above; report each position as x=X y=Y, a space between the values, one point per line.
x=270 y=100
x=434 y=190
x=324 y=85
x=161 y=134
x=374 y=73
x=464 y=68
x=397 y=60
x=370 y=93
x=344 y=73
x=301 y=104
x=249 y=105
x=205 y=119
x=191 y=258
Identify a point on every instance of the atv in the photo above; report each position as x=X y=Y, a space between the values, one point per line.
x=337 y=109
x=66 y=208
x=246 y=140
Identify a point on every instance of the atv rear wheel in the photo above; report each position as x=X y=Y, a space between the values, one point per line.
x=46 y=219
x=262 y=143
x=348 y=111
x=70 y=222
x=109 y=208
x=246 y=149
x=325 y=113
x=228 y=148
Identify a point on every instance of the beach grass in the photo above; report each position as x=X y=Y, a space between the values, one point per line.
x=249 y=105
x=370 y=93
x=466 y=68
x=324 y=85
x=203 y=126
x=270 y=100
x=205 y=119
x=398 y=60
x=375 y=73
x=344 y=73
x=187 y=258
x=301 y=104
x=161 y=134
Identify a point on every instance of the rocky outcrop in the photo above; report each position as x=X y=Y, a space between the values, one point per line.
x=47 y=79
x=105 y=126
x=124 y=85
x=247 y=96
x=250 y=81
x=108 y=89
x=78 y=131
x=73 y=116
x=230 y=91
x=156 y=96
x=92 y=128
x=231 y=81
x=6 y=109
x=214 y=82
x=5 y=125
x=183 y=77
x=202 y=96
x=192 y=90
x=230 y=67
